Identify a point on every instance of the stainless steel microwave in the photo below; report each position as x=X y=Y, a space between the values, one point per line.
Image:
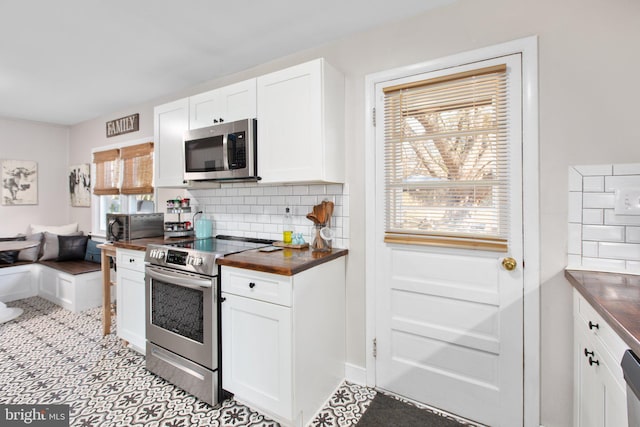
x=134 y=226
x=225 y=151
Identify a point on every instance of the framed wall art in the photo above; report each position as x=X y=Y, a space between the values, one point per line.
x=19 y=182
x=80 y=185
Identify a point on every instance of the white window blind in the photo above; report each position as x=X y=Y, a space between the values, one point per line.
x=447 y=160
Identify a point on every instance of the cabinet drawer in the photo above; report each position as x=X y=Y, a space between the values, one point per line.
x=594 y=325
x=257 y=285
x=131 y=260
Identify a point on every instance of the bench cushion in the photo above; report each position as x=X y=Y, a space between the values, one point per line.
x=73 y=267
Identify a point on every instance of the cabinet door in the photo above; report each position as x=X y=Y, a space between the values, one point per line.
x=131 y=308
x=588 y=391
x=290 y=124
x=171 y=121
x=226 y=104
x=257 y=354
x=204 y=108
x=238 y=101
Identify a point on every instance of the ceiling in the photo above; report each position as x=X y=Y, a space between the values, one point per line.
x=68 y=61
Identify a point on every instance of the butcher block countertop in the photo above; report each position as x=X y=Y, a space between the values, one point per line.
x=141 y=244
x=286 y=262
x=616 y=297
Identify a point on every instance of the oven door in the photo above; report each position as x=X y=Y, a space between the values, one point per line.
x=180 y=314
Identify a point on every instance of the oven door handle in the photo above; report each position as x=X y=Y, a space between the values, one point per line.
x=179 y=279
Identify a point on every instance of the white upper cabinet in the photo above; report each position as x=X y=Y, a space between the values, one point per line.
x=301 y=124
x=171 y=121
x=225 y=104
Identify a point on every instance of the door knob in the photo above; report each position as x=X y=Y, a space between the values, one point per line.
x=509 y=263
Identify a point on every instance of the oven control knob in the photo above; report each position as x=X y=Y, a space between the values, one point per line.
x=153 y=253
x=197 y=261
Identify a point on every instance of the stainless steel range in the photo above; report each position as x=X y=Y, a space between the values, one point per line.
x=183 y=312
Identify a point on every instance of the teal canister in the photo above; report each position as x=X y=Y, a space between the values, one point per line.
x=204 y=228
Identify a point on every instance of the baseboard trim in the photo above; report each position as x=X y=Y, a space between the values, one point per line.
x=355 y=374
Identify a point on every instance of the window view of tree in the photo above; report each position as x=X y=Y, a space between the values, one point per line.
x=446 y=158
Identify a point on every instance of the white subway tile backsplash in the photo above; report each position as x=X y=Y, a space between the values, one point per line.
x=603 y=233
x=600 y=264
x=575 y=239
x=625 y=251
x=592 y=216
x=633 y=235
x=633 y=267
x=588 y=170
x=317 y=189
x=593 y=184
x=575 y=206
x=590 y=249
x=610 y=218
x=575 y=180
x=598 y=200
x=612 y=183
x=599 y=239
x=627 y=169
x=574 y=261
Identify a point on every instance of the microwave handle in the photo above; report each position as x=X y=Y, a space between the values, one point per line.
x=110 y=233
x=225 y=153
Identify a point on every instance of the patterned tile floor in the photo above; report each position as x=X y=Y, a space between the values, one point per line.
x=50 y=355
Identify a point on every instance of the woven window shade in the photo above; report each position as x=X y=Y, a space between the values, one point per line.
x=137 y=169
x=447 y=161
x=107 y=172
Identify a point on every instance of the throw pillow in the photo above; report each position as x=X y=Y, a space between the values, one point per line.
x=93 y=253
x=71 y=247
x=31 y=254
x=55 y=229
x=50 y=245
x=9 y=257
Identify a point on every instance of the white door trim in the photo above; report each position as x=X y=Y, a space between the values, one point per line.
x=528 y=47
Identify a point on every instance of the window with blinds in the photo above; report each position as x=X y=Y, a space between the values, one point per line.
x=107 y=179
x=137 y=170
x=447 y=161
x=137 y=176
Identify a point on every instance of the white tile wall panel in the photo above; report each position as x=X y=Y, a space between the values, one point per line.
x=612 y=183
x=633 y=267
x=575 y=207
x=627 y=169
x=604 y=241
x=593 y=184
x=625 y=251
x=590 y=249
x=603 y=233
x=593 y=216
x=254 y=210
x=575 y=239
x=574 y=261
x=598 y=200
x=589 y=170
x=575 y=180
x=610 y=218
x=633 y=235
x=599 y=264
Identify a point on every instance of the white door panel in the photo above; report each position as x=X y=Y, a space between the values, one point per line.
x=449 y=321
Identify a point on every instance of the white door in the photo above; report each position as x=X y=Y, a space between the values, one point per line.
x=449 y=316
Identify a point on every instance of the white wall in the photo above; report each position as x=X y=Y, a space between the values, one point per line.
x=47 y=145
x=588 y=96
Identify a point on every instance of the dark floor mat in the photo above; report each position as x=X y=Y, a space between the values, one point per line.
x=386 y=411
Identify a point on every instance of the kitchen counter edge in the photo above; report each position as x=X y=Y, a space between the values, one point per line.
x=606 y=293
x=286 y=262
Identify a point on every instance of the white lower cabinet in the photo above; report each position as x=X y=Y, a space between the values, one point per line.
x=130 y=298
x=283 y=339
x=599 y=387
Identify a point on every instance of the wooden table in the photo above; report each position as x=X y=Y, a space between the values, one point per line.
x=107 y=251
